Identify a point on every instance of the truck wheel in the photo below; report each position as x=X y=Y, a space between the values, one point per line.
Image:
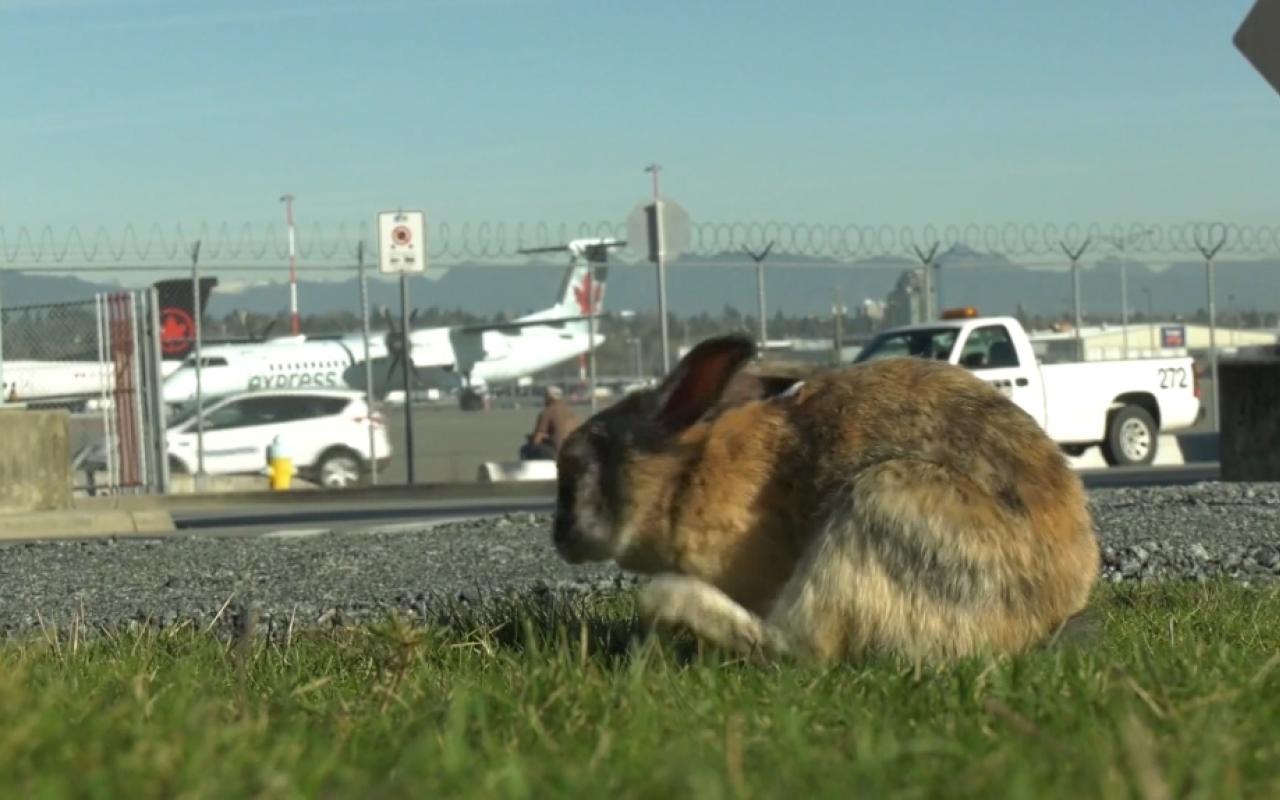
x=1131 y=438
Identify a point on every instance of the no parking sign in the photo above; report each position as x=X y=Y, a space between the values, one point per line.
x=402 y=241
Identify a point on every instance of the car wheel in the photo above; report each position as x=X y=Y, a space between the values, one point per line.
x=1131 y=438
x=338 y=469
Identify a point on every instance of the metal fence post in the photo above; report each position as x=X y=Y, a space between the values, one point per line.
x=1209 y=253
x=159 y=428
x=759 y=259
x=927 y=260
x=195 y=293
x=1078 y=320
x=368 y=364
x=104 y=393
x=135 y=379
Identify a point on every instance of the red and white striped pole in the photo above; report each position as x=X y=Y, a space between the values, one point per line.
x=295 y=324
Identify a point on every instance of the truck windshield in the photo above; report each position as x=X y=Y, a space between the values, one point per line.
x=933 y=343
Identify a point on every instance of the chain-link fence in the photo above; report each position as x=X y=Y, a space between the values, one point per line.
x=98 y=360
x=827 y=289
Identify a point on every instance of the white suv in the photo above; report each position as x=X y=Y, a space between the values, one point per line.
x=325 y=432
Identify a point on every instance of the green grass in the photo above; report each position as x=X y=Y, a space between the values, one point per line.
x=1178 y=696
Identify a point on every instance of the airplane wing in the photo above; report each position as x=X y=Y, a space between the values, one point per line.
x=552 y=322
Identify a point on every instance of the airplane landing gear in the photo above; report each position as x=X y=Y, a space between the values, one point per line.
x=471 y=400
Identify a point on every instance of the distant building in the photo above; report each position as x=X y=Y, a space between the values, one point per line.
x=906 y=304
x=1155 y=340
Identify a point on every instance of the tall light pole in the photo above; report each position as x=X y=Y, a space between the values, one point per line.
x=295 y=325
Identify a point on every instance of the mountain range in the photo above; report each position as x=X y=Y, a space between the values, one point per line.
x=798 y=287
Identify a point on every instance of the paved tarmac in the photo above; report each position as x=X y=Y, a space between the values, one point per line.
x=450 y=444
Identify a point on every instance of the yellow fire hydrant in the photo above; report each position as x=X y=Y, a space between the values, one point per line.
x=279 y=466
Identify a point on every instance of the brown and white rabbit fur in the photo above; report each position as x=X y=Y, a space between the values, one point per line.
x=900 y=507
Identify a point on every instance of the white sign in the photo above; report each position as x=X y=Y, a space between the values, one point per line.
x=402 y=241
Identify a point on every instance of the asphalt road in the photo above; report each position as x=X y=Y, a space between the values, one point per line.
x=361 y=514
x=449 y=444
x=340 y=517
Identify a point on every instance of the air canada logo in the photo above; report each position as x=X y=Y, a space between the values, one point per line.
x=177 y=330
x=588 y=295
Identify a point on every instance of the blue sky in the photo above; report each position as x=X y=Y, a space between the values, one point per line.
x=904 y=113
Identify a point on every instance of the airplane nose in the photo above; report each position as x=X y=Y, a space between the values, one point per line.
x=176 y=389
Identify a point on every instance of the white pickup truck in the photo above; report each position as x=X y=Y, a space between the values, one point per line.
x=1121 y=406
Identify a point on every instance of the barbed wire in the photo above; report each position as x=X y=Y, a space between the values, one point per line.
x=447 y=242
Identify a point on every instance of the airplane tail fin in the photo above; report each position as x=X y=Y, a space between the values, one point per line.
x=177 y=313
x=582 y=288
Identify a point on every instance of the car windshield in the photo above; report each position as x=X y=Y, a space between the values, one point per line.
x=265 y=410
x=183 y=414
x=935 y=343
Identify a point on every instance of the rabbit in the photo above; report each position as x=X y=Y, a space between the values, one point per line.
x=896 y=507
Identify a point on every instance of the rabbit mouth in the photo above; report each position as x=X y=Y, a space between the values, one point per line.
x=576 y=546
x=576 y=551
x=571 y=552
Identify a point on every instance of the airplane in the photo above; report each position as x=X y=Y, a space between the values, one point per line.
x=465 y=357
x=85 y=378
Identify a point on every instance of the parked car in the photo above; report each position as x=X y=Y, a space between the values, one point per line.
x=1121 y=406
x=325 y=432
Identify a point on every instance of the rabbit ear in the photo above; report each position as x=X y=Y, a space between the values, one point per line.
x=699 y=380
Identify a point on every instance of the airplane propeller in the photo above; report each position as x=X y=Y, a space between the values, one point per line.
x=260 y=336
x=593 y=250
x=395 y=341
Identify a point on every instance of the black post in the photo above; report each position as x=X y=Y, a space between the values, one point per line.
x=406 y=364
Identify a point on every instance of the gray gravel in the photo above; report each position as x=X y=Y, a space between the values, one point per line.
x=1179 y=533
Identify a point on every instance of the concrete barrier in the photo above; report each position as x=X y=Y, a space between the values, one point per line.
x=35 y=461
x=1249 y=440
x=514 y=471
x=186 y=484
x=468 y=491
x=1198 y=448
x=77 y=524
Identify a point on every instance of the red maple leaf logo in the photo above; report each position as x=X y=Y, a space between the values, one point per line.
x=177 y=329
x=588 y=289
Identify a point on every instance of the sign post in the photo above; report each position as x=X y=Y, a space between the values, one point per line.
x=402 y=249
x=200 y=477
x=661 y=228
x=368 y=364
